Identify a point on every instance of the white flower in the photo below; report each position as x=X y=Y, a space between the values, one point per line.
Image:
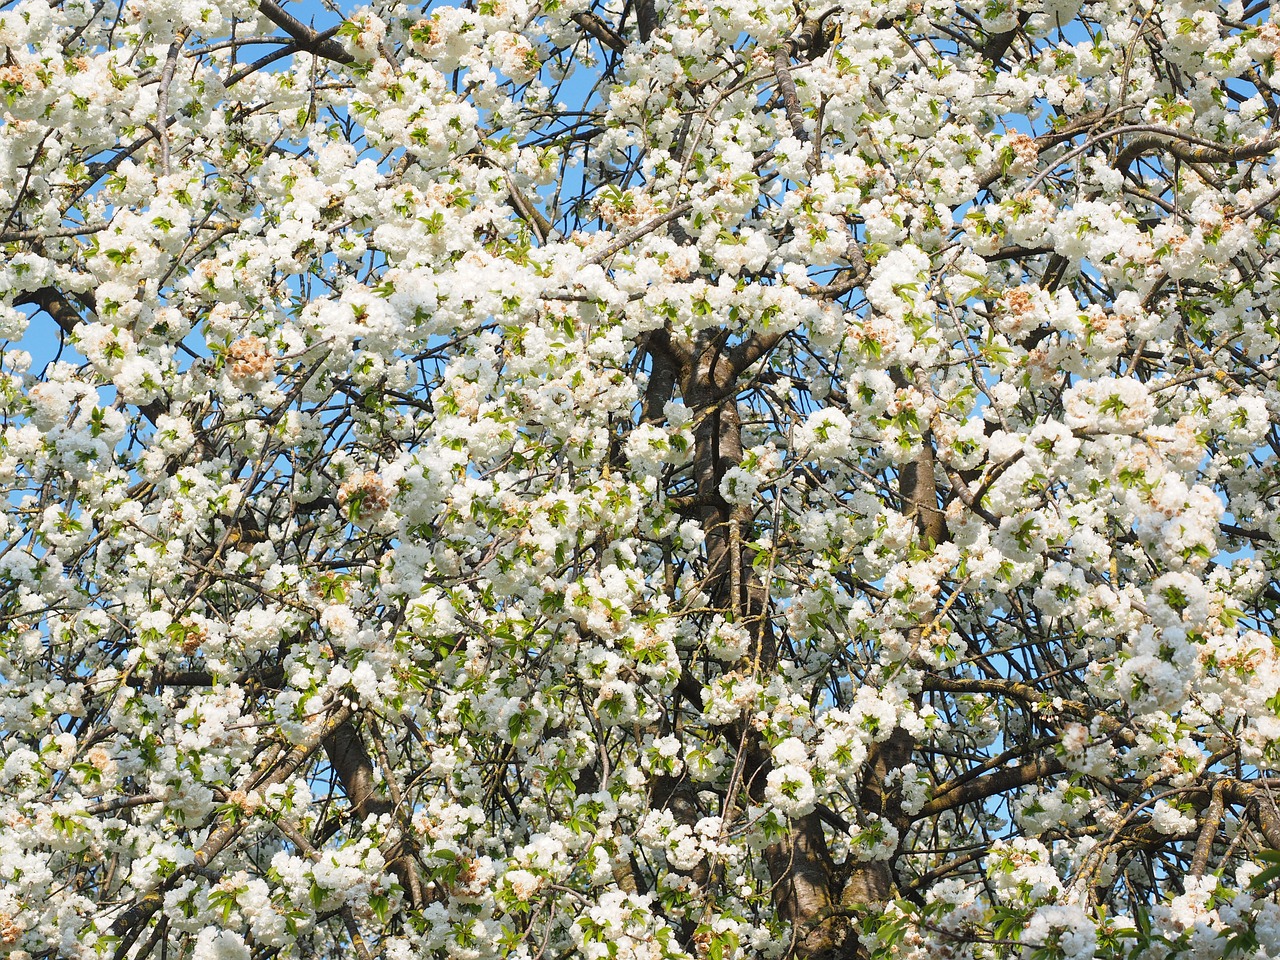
x=1066 y=927
x=523 y=883
x=215 y=944
x=739 y=486
x=516 y=56
x=825 y=435
x=616 y=703
x=338 y=620
x=1021 y=868
x=899 y=281
x=1169 y=820
x=728 y=641
x=790 y=752
x=790 y=789
x=683 y=850
x=1075 y=737
x=1110 y=405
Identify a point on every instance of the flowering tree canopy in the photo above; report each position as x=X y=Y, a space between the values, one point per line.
x=647 y=479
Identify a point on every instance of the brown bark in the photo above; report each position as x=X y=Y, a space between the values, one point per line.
x=800 y=866
x=305 y=37
x=663 y=373
x=602 y=32
x=646 y=19
x=876 y=881
x=973 y=791
x=351 y=762
x=803 y=890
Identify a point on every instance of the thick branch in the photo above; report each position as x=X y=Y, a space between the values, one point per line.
x=1029 y=695
x=1010 y=778
x=646 y=19
x=37 y=233
x=597 y=28
x=787 y=90
x=664 y=372
x=801 y=872
x=1260 y=800
x=306 y=38
x=1177 y=145
x=350 y=760
x=221 y=836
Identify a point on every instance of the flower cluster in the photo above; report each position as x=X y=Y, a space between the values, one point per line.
x=671 y=481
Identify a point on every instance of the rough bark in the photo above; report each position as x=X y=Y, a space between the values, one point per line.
x=349 y=757
x=876 y=881
x=803 y=878
x=800 y=866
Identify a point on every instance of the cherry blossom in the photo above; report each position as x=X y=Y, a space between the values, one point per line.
x=639 y=480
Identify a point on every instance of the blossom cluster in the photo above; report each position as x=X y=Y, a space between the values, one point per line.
x=639 y=480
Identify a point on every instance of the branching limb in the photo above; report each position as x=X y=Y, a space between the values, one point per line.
x=308 y=39
x=600 y=30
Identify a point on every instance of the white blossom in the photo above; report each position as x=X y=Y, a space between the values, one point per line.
x=620 y=480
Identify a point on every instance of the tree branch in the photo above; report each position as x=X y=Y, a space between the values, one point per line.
x=597 y=28
x=312 y=41
x=977 y=790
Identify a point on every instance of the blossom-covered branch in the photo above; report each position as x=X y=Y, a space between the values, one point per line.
x=644 y=480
